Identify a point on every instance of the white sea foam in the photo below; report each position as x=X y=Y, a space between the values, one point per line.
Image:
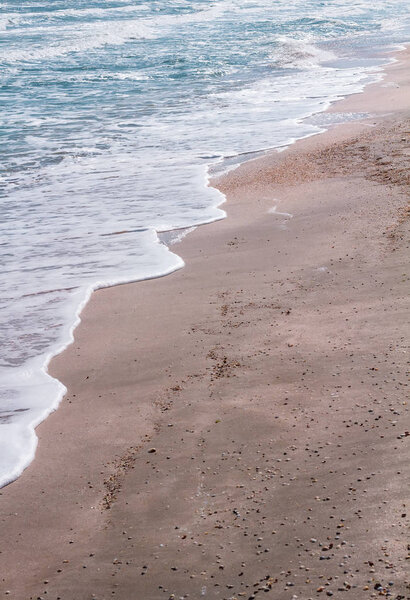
x=29 y=394
x=4 y=23
x=274 y=211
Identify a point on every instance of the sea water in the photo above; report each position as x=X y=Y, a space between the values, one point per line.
x=111 y=114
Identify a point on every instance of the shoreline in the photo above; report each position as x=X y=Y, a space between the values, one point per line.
x=118 y=447
x=86 y=293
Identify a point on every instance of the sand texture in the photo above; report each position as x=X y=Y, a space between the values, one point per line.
x=240 y=428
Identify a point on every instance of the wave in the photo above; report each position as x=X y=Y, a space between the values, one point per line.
x=87 y=37
x=298 y=54
x=80 y=38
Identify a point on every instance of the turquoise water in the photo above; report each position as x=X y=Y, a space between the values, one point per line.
x=111 y=114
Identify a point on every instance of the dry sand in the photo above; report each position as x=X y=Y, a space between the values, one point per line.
x=241 y=427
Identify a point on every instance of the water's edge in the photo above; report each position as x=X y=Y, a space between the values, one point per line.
x=39 y=376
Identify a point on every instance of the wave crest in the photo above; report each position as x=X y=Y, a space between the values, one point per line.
x=298 y=54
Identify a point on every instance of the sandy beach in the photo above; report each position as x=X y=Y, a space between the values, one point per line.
x=241 y=426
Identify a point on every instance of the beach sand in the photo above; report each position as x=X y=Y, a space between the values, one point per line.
x=240 y=427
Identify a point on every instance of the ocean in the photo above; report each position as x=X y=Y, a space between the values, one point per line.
x=113 y=113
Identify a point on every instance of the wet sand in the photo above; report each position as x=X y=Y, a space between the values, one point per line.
x=241 y=427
